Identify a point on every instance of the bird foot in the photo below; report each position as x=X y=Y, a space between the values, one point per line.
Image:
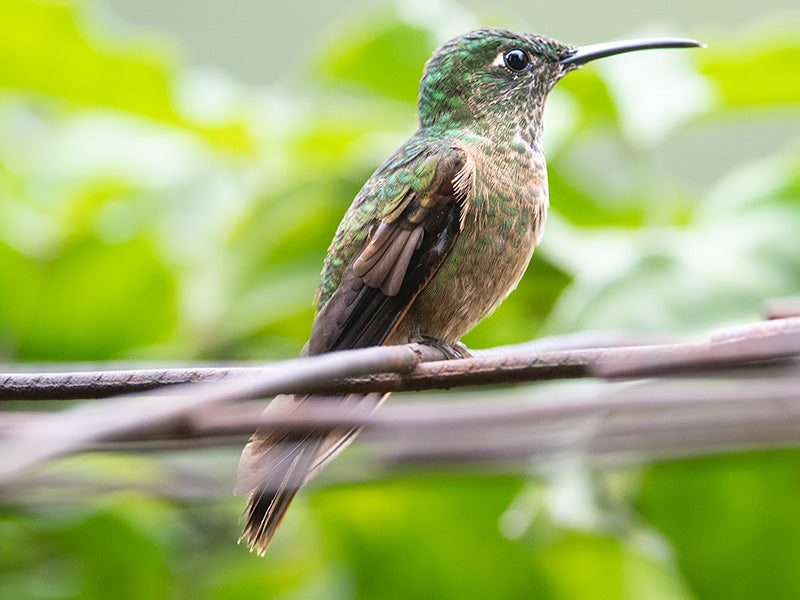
x=457 y=350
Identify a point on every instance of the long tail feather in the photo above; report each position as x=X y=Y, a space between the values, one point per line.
x=267 y=505
x=275 y=465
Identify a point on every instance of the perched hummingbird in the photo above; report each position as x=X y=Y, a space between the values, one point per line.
x=438 y=236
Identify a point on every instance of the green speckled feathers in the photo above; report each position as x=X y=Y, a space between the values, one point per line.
x=433 y=242
x=462 y=82
x=464 y=95
x=387 y=183
x=437 y=237
x=413 y=214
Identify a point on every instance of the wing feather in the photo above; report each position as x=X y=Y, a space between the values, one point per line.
x=406 y=247
x=408 y=242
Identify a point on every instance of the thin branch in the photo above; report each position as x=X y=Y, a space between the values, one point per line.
x=770 y=340
x=645 y=418
x=531 y=365
x=49 y=435
x=781 y=308
x=613 y=420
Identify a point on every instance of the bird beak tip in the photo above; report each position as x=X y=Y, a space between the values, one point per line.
x=584 y=54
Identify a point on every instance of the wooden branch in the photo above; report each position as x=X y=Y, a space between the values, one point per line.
x=782 y=308
x=770 y=340
x=51 y=434
x=759 y=362
x=652 y=418
x=530 y=365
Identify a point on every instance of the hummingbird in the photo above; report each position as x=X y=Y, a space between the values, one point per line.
x=437 y=237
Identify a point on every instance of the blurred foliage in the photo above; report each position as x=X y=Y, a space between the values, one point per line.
x=152 y=211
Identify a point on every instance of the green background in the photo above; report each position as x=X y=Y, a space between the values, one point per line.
x=168 y=193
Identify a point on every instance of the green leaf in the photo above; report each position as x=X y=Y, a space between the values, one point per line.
x=733 y=521
x=44 y=49
x=427 y=538
x=755 y=70
x=385 y=58
x=49 y=51
x=91 y=301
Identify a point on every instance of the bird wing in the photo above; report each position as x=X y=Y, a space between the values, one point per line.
x=408 y=240
x=407 y=244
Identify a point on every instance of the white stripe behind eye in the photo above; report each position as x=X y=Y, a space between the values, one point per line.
x=499 y=61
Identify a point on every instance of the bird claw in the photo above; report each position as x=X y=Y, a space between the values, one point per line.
x=457 y=350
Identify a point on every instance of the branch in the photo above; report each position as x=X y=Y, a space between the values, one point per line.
x=612 y=424
x=759 y=361
x=50 y=435
x=770 y=340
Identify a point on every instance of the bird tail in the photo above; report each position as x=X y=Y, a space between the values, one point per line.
x=269 y=501
x=274 y=465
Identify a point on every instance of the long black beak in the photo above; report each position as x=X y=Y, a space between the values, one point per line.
x=586 y=53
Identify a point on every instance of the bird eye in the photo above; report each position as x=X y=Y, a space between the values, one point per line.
x=517 y=60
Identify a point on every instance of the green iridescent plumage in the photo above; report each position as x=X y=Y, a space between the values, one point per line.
x=437 y=237
x=467 y=99
x=457 y=88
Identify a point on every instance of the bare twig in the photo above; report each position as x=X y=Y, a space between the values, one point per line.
x=740 y=346
x=764 y=341
x=49 y=435
x=759 y=405
x=781 y=308
x=643 y=419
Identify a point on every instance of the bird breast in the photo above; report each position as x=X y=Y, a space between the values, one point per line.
x=503 y=224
